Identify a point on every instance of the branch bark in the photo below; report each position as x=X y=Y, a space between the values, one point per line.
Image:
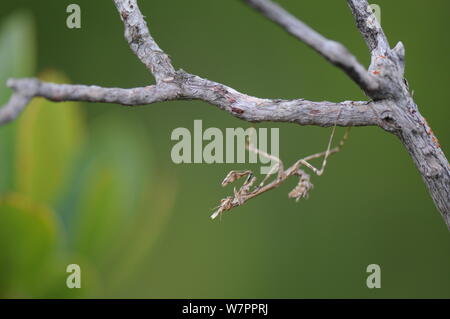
x=391 y=108
x=402 y=115
x=142 y=43
x=185 y=86
x=333 y=51
x=369 y=27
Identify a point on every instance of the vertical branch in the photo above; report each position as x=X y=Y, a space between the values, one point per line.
x=142 y=43
x=369 y=27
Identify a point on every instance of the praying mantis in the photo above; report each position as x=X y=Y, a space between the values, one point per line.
x=249 y=190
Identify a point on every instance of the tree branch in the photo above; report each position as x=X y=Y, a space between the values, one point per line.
x=14 y=107
x=185 y=86
x=402 y=114
x=331 y=50
x=172 y=85
x=255 y=109
x=369 y=27
x=67 y=92
x=142 y=43
x=392 y=108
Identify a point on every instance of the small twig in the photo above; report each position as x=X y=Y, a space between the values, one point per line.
x=333 y=51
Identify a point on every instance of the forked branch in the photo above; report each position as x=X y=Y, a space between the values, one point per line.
x=391 y=108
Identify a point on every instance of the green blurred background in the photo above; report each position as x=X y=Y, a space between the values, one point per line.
x=94 y=184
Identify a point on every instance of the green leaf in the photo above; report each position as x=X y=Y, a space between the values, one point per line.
x=49 y=138
x=17 y=59
x=27 y=244
x=17 y=49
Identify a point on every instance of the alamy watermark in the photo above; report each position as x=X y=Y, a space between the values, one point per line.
x=228 y=147
x=374 y=279
x=74 y=279
x=73 y=21
x=375 y=9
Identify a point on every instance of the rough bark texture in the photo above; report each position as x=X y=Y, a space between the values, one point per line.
x=142 y=43
x=391 y=107
x=428 y=156
x=402 y=116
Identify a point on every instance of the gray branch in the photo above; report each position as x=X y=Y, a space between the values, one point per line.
x=369 y=27
x=402 y=114
x=392 y=107
x=142 y=43
x=331 y=50
x=185 y=86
